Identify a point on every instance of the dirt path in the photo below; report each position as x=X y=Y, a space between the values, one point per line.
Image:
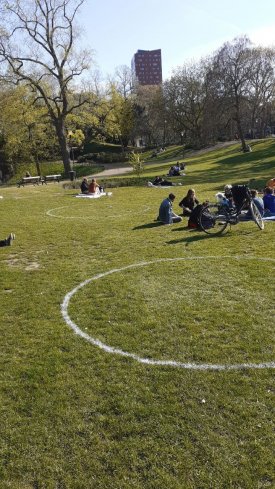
x=110 y=171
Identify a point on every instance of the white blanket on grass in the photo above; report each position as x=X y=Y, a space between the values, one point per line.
x=94 y=196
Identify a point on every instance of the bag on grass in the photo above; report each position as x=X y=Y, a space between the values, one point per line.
x=240 y=194
x=193 y=221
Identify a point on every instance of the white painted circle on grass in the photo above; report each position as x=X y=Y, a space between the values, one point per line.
x=149 y=361
x=51 y=212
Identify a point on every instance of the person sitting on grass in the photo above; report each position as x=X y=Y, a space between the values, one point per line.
x=189 y=202
x=166 y=214
x=269 y=202
x=94 y=187
x=246 y=149
x=229 y=196
x=177 y=170
x=84 y=186
x=8 y=241
x=271 y=183
x=171 y=172
x=258 y=201
x=182 y=166
x=174 y=171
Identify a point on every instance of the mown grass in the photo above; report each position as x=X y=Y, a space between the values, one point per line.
x=74 y=416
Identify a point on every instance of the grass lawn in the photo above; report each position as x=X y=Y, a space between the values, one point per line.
x=75 y=416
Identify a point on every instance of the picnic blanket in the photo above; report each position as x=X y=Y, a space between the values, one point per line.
x=94 y=196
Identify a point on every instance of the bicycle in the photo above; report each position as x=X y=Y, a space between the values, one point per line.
x=215 y=218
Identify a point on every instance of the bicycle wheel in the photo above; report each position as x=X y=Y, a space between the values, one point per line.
x=213 y=219
x=256 y=215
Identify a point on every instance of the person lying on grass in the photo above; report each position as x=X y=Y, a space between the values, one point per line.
x=162 y=182
x=8 y=241
x=166 y=214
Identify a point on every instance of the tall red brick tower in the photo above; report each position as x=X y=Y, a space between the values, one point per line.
x=146 y=66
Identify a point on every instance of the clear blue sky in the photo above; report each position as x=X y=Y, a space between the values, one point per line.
x=182 y=29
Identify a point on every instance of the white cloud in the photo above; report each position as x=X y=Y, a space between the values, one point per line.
x=263 y=36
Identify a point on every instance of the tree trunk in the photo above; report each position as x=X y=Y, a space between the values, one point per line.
x=240 y=130
x=37 y=164
x=65 y=150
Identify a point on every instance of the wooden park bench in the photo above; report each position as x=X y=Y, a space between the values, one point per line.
x=34 y=180
x=52 y=178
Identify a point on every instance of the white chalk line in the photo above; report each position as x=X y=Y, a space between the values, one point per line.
x=148 y=361
x=50 y=213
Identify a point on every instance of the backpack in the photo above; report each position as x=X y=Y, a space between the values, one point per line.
x=240 y=194
x=193 y=221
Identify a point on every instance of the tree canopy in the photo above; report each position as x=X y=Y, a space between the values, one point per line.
x=38 y=48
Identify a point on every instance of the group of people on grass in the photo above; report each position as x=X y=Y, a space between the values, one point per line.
x=90 y=188
x=85 y=187
x=175 y=171
x=191 y=206
x=188 y=205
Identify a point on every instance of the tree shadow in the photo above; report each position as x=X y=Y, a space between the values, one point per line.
x=237 y=167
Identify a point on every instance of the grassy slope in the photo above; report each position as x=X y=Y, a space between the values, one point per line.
x=75 y=417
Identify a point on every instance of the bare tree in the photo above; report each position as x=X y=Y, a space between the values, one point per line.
x=262 y=89
x=37 y=47
x=185 y=99
x=233 y=68
x=124 y=80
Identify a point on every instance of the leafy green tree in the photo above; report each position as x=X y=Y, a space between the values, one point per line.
x=27 y=133
x=137 y=163
x=37 y=47
x=121 y=116
x=76 y=138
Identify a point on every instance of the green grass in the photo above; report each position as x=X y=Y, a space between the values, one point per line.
x=74 y=416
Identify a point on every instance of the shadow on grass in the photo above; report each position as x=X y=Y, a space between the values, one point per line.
x=148 y=226
x=194 y=237
x=236 y=166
